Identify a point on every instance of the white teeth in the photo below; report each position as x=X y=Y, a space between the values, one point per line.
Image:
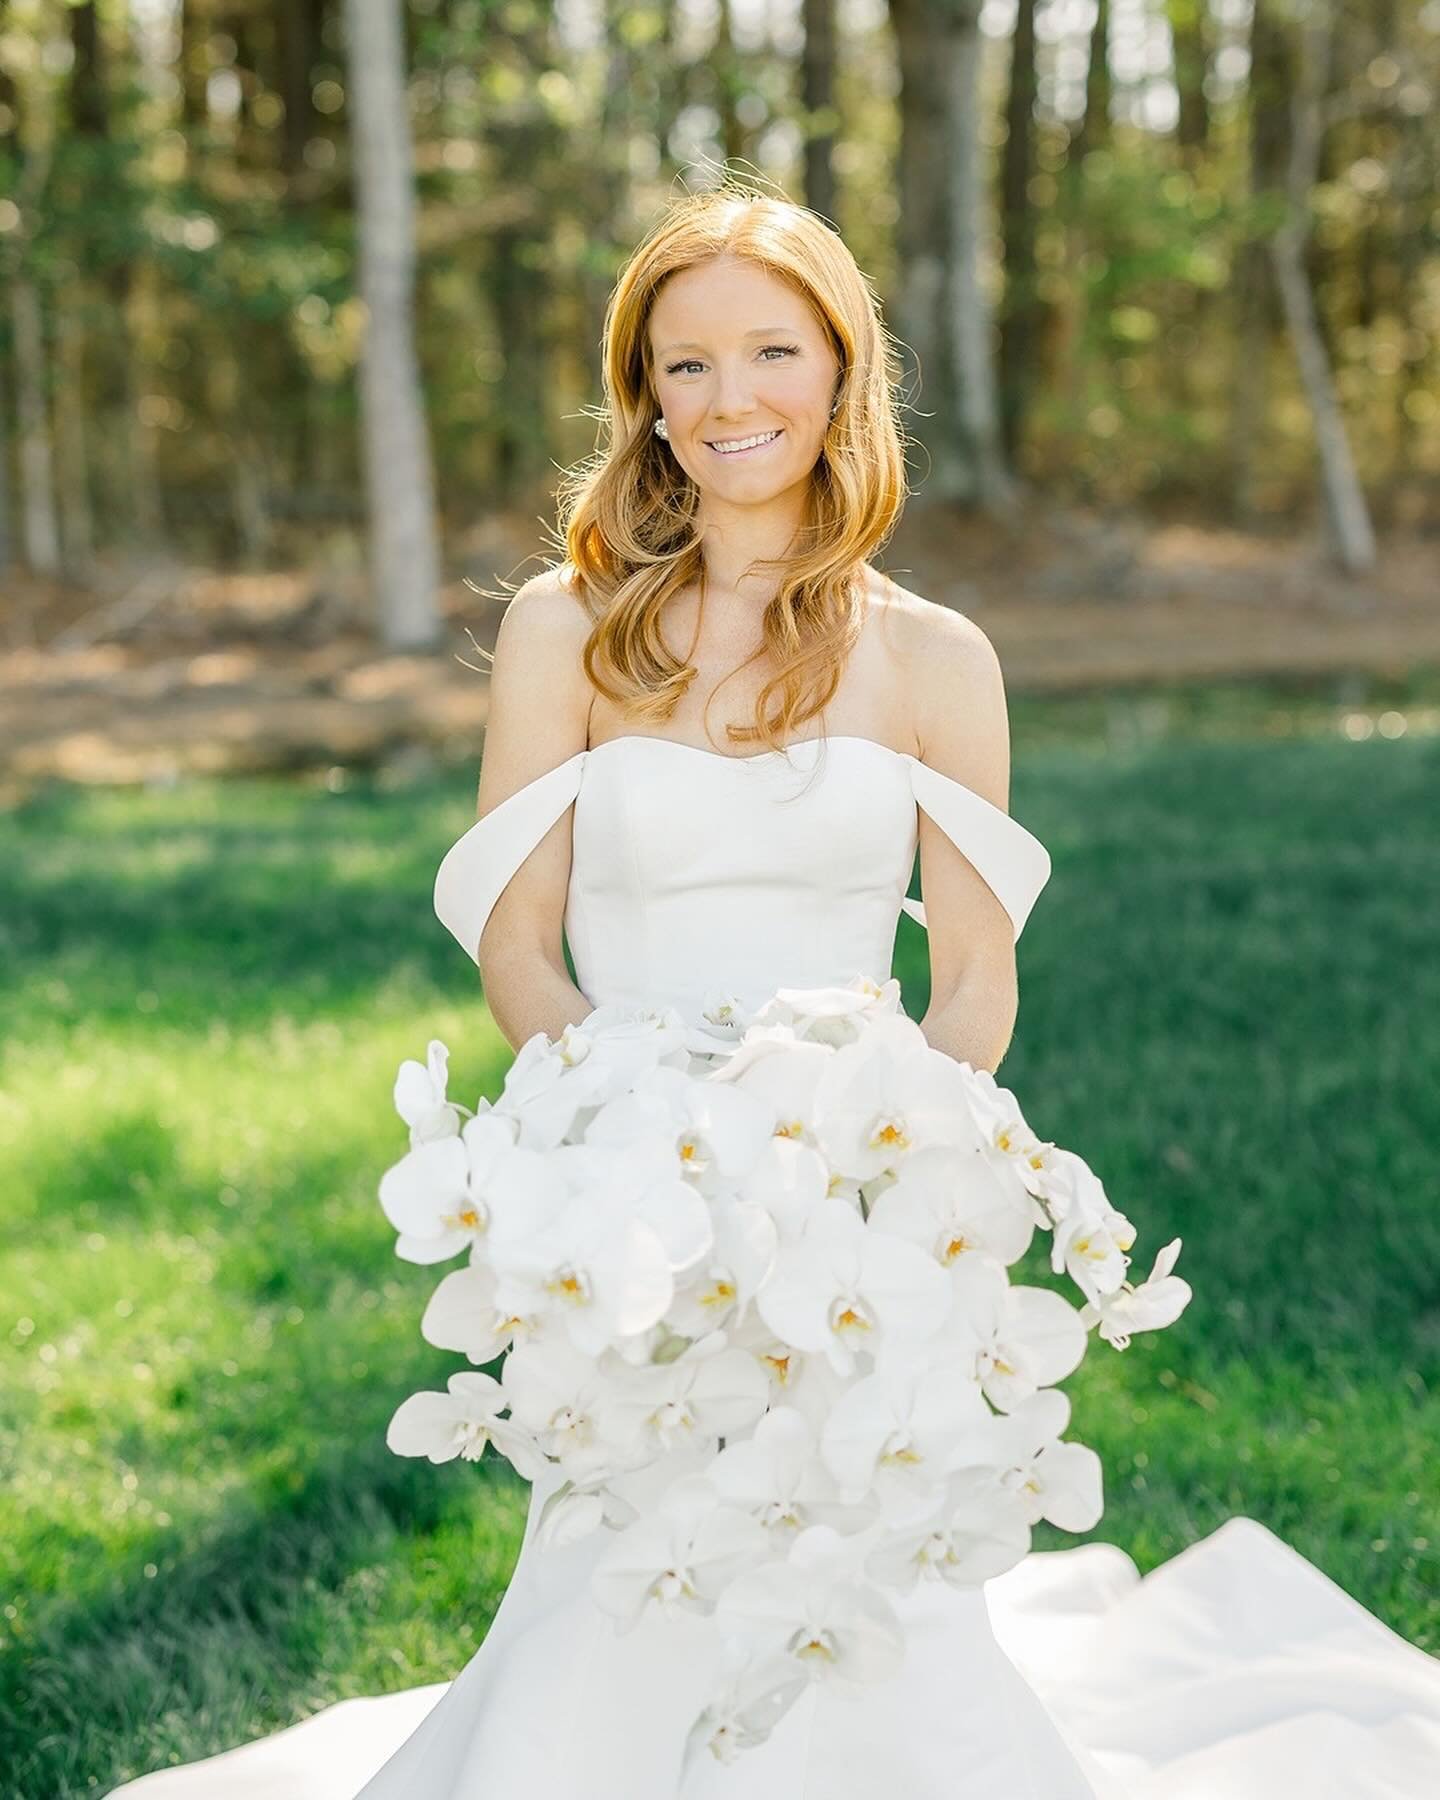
x=745 y=443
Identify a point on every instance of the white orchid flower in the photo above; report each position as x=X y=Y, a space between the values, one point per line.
x=461 y=1423
x=1051 y=1479
x=426 y=1197
x=571 y=1513
x=779 y=1070
x=752 y=1701
x=1157 y=1302
x=848 y=1291
x=463 y=1315
x=680 y=1558
x=718 y=1132
x=553 y=1081
x=420 y=1096
x=640 y=1179
x=599 y=1272
x=1014 y=1147
x=545 y=1089
x=718 y=1291
x=710 y=1391
x=560 y=1396
x=790 y=1180
x=1093 y=1251
x=886 y=1096
x=833 y=1016
x=955 y=1203
x=776 y=1476
x=976 y=1532
x=724 y=1012
x=445 y=1193
x=1022 y=1338
x=1070 y=1188
x=628 y=1040
x=603 y=1263
x=895 y=1432
x=814 y=1612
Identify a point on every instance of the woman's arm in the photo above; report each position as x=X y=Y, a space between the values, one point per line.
x=963 y=730
x=538 y=718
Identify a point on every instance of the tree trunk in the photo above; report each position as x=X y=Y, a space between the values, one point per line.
x=1344 y=498
x=399 y=478
x=1187 y=34
x=1257 y=308
x=298 y=24
x=944 y=311
x=71 y=440
x=37 y=487
x=1020 y=321
x=1094 y=129
x=817 y=95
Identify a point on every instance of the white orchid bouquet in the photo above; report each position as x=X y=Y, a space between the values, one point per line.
x=771 y=1250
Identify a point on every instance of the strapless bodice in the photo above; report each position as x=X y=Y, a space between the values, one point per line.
x=698 y=877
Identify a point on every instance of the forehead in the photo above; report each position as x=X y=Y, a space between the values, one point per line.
x=727 y=298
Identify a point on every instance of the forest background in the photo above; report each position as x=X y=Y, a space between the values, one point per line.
x=1167 y=274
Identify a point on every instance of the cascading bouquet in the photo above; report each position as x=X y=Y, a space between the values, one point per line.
x=779 y=1243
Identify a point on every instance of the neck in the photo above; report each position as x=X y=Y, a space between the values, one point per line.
x=734 y=537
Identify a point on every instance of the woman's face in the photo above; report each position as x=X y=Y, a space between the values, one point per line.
x=737 y=354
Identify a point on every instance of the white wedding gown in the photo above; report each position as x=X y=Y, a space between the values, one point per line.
x=1237 y=1671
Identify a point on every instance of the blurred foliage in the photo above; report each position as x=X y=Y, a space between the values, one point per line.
x=184 y=197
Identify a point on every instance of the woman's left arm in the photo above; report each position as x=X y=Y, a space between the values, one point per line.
x=963 y=730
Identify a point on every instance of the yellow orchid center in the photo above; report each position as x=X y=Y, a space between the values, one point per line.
x=848 y=1319
x=720 y=1293
x=891 y=1135
x=814 y=1646
x=569 y=1285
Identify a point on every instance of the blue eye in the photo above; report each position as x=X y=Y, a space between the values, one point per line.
x=692 y=362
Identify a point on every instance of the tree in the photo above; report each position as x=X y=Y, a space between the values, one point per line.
x=399 y=476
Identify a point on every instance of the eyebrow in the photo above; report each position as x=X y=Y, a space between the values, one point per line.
x=759 y=331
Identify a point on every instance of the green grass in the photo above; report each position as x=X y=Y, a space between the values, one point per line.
x=1231 y=1008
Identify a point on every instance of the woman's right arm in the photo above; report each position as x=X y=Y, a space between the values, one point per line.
x=538 y=718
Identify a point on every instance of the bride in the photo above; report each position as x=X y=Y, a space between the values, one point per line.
x=717 y=737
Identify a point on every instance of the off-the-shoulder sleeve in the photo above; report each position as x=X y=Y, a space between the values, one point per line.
x=477 y=868
x=1014 y=863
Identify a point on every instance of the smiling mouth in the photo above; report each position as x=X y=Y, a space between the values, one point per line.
x=760 y=441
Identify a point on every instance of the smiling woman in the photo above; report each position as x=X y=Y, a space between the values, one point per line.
x=742 y=1229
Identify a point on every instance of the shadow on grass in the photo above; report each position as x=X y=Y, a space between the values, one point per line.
x=255 y=1620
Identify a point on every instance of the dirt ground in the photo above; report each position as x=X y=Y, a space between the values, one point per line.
x=158 y=671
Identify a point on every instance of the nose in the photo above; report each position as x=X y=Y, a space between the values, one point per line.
x=734 y=396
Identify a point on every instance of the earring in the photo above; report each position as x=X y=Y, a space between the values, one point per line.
x=834 y=409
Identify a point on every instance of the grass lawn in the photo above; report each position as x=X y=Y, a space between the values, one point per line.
x=1230 y=1007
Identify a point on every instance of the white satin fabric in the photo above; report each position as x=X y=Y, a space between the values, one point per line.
x=1235 y=1672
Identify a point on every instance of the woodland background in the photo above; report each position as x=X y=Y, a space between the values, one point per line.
x=1168 y=277
x=1167 y=273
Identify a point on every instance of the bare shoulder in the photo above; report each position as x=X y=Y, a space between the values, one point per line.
x=539 y=699
x=544 y=616
x=955 y=691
